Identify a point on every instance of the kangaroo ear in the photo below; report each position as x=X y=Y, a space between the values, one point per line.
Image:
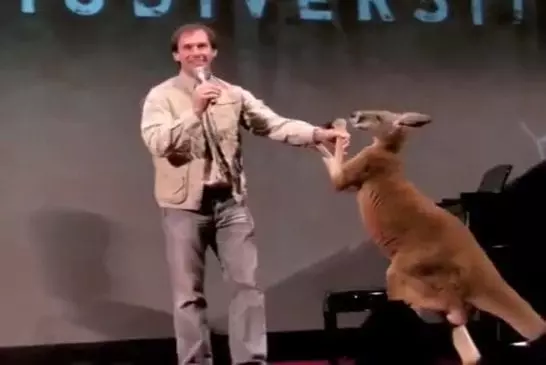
x=414 y=120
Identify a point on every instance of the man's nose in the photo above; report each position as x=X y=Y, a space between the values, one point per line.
x=194 y=51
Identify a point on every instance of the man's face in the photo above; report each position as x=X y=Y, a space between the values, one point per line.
x=194 y=50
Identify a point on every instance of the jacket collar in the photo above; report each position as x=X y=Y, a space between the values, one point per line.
x=185 y=82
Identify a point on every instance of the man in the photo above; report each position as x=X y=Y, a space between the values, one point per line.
x=190 y=126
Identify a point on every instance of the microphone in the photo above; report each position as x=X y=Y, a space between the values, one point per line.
x=202 y=74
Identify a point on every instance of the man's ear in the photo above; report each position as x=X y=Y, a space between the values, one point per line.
x=176 y=57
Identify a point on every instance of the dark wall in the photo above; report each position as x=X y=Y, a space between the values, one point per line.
x=81 y=250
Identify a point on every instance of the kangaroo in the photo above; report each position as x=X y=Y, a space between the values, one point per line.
x=435 y=261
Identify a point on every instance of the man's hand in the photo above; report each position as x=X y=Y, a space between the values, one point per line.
x=202 y=95
x=330 y=136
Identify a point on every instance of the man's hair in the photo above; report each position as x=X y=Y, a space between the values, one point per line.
x=192 y=27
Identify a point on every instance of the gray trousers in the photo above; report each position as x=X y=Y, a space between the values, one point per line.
x=227 y=227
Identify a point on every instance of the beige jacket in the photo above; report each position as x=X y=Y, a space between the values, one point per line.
x=174 y=136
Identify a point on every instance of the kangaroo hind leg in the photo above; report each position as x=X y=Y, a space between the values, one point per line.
x=502 y=301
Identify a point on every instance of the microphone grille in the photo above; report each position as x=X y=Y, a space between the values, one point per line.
x=201 y=73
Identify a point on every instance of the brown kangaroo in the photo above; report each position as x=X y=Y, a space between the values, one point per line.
x=436 y=263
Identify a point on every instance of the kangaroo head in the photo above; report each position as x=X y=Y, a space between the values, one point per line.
x=388 y=128
x=383 y=122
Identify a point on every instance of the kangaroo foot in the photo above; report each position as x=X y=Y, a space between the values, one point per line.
x=465 y=346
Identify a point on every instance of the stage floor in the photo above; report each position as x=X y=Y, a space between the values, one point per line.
x=300 y=348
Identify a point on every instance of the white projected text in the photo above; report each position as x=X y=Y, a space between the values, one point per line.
x=311 y=10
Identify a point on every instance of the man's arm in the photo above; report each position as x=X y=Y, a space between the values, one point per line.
x=162 y=134
x=260 y=120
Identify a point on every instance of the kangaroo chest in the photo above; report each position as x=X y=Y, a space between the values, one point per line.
x=379 y=221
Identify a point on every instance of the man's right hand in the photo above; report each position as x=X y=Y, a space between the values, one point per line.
x=202 y=95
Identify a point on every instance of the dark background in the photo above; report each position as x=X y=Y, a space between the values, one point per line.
x=81 y=250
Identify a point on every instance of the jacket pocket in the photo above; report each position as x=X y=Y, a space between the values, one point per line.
x=226 y=109
x=171 y=182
